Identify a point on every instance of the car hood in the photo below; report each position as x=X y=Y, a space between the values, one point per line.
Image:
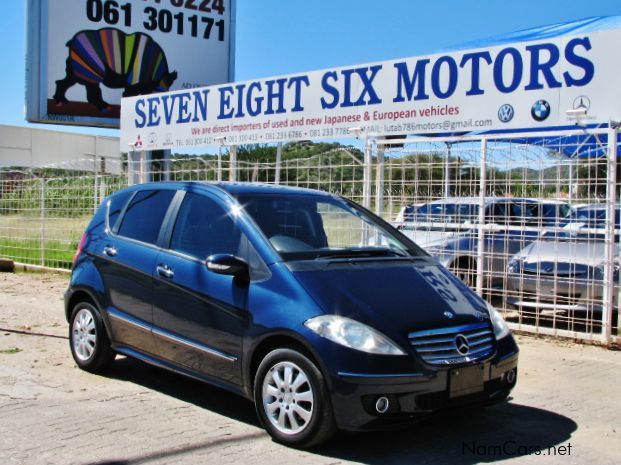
x=590 y=253
x=427 y=238
x=396 y=297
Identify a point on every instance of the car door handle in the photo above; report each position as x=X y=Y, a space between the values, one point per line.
x=165 y=271
x=109 y=250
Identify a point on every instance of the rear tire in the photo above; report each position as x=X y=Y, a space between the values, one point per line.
x=292 y=400
x=88 y=340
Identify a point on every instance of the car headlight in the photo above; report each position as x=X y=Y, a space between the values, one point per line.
x=599 y=272
x=352 y=334
x=514 y=265
x=498 y=322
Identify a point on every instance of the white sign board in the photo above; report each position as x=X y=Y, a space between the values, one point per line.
x=84 y=55
x=506 y=87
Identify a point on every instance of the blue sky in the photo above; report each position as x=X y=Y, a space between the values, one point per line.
x=287 y=36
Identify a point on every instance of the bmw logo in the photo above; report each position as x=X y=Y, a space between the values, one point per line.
x=448 y=314
x=540 y=110
x=505 y=113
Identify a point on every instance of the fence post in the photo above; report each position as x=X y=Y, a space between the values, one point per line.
x=481 y=225
x=42 y=220
x=447 y=170
x=219 y=164
x=233 y=163
x=611 y=194
x=96 y=187
x=366 y=178
x=278 y=163
x=379 y=181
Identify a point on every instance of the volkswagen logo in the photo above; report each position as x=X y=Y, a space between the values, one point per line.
x=505 y=113
x=461 y=344
x=540 y=110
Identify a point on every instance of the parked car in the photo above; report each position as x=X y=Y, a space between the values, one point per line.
x=448 y=229
x=296 y=299
x=564 y=270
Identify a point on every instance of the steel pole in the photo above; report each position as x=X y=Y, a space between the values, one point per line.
x=481 y=225
x=611 y=197
x=233 y=163
x=278 y=163
x=366 y=178
x=379 y=182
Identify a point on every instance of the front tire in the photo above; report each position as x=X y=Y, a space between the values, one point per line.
x=291 y=399
x=89 y=342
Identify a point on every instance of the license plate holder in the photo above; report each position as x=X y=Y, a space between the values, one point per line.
x=466 y=380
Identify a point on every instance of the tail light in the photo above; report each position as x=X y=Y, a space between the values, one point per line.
x=80 y=248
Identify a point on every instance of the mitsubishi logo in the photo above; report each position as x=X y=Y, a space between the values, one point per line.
x=461 y=344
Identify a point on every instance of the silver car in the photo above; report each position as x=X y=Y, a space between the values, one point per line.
x=448 y=229
x=564 y=270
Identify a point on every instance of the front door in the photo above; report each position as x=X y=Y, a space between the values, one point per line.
x=198 y=316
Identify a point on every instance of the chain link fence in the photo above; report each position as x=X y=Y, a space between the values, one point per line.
x=531 y=224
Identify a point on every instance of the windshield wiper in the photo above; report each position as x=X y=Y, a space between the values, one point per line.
x=359 y=253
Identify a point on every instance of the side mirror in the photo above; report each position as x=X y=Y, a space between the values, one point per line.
x=227 y=265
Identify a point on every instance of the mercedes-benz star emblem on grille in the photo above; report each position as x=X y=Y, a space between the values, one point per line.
x=448 y=314
x=461 y=344
x=505 y=113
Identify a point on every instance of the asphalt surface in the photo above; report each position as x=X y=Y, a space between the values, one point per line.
x=566 y=408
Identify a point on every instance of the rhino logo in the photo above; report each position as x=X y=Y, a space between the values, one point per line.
x=133 y=62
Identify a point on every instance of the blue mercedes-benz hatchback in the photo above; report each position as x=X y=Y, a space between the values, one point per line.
x=319 y=311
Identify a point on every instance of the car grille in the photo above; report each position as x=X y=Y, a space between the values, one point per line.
x=554 y=268
x=440 y=346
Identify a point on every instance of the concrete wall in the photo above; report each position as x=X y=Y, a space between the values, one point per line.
x=33 y=148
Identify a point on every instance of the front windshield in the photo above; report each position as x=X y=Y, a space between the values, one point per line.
x=584 y=224
x=313 y=226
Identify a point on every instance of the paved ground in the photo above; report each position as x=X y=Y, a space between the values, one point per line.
x=567 y=400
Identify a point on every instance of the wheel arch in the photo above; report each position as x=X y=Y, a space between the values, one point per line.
x=275 y=341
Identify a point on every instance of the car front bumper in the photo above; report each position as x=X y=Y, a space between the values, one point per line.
x=556 y=293
x=412 y=395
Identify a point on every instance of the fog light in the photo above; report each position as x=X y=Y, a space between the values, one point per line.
x=510 y=376
x=382 y=404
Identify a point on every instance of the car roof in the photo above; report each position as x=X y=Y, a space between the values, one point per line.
x=233 y=188
x=488 y=200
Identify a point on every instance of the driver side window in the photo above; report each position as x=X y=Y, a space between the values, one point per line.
x=204 y=228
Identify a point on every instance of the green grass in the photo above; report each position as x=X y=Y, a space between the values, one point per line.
x=21 y=239
x=55 y=254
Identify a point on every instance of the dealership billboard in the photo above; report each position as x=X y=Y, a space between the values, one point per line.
x=510 y=87
x=84 y=55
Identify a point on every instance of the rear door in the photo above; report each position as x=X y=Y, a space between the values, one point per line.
x=199 y=316
x=126 y=262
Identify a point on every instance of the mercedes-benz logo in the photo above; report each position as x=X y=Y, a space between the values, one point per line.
x=461 y=344
x=582 y=102
x=505 y=113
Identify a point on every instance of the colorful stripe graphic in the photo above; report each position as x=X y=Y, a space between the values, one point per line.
x=136 y=57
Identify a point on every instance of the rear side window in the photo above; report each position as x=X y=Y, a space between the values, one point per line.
x=117 y=203
x=204 y=228
x=143 y=219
